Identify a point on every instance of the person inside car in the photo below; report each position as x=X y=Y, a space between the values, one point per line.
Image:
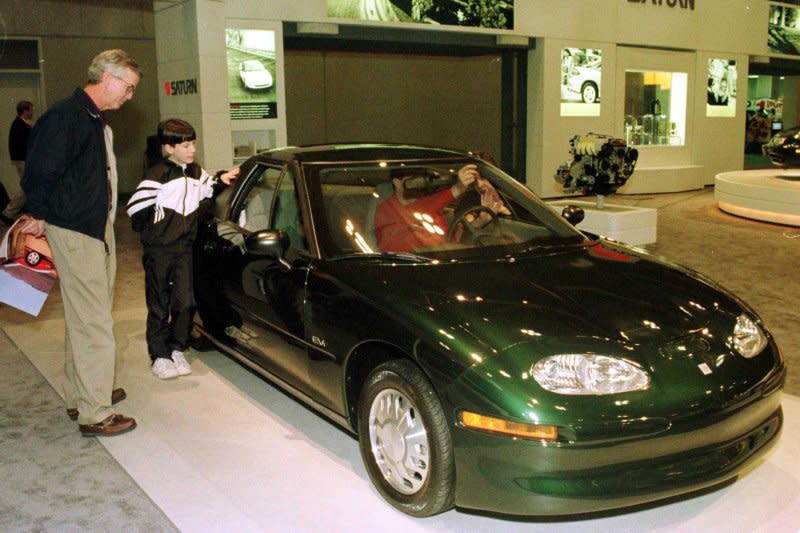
x=404 y=222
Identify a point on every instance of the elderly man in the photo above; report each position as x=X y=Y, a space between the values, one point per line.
x=70 y=183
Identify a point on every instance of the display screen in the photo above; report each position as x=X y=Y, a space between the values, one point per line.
x=581 y=70
x=484 y=14
x=251 y=73
x=721 y=88
x=784 y=30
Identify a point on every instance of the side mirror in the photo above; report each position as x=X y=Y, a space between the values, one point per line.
x=270 y=243
x=573 y=214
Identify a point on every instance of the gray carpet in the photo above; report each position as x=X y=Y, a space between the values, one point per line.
x=53 y=478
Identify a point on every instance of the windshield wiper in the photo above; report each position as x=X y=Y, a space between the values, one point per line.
x=532 y=245
x=406 y=257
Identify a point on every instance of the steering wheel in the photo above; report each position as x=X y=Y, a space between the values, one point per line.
x=473 y=233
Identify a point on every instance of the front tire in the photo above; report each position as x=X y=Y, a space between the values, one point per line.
x=405 y=440
x=589 y=92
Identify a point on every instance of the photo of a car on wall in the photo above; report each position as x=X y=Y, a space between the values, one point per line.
x=508 y=362
x=580 y=74
x=254 y=74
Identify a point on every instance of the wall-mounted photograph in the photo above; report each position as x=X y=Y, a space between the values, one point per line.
x=721 y=88
x=581 y=70
x=251 y=73
x=475 y=13
x=784 y=30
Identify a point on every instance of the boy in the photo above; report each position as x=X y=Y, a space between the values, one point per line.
x=164 y=208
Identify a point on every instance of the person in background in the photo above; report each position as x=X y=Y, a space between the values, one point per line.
x=165 y=209
x=17 y=150
x=152 y=153
x=70 y=185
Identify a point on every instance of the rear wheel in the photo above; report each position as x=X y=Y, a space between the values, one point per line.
x=405 y=441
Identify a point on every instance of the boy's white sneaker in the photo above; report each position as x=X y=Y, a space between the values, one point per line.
x=181 y=364
x=164 y=368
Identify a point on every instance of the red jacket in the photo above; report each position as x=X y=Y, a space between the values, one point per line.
x=404 y=228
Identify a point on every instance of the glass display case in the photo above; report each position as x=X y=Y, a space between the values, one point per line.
x=655 y=107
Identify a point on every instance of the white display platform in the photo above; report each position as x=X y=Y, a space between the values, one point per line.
x=628 y=224
x=771 y=195
x=221 y=450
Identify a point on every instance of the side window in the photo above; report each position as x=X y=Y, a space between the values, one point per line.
x=287 y=212
x=254 y=214
x=271 y=203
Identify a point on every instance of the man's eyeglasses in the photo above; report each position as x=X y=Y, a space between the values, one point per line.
x=129 y=87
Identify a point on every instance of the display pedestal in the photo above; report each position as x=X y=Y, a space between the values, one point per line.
x=771 y=195
x=632 y=225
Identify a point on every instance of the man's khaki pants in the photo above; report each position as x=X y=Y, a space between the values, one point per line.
x=86 y=275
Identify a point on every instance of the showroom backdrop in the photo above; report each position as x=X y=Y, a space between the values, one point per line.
x=504 y=96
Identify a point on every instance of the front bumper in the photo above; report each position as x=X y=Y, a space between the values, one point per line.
x=516 y=477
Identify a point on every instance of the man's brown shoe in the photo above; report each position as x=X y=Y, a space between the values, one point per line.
x=112 y=425
x=117 y=395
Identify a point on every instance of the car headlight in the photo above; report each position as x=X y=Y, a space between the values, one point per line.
x=588 y=374
x=747 y=338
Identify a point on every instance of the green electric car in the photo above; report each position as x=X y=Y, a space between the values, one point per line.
x=486 y=354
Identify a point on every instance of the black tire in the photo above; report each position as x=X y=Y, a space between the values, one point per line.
x=429 y=487
x=591 y=96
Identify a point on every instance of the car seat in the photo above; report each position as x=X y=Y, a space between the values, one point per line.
x=380 y=193
x=255 y=215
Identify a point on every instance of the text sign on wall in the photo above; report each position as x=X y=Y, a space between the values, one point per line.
x=681 y=4
x=180 y=87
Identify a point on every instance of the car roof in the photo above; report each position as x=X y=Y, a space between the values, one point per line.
x=357 y=152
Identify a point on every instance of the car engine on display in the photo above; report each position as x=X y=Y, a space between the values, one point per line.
x=598 y=164
x=485 y=353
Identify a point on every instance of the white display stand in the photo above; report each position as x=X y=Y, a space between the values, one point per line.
x=631 y=225
x=771 y=195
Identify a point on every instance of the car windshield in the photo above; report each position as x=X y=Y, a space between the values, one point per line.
x=253 y=66
x=412 y=207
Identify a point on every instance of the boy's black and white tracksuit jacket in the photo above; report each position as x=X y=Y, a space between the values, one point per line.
x=164 y=207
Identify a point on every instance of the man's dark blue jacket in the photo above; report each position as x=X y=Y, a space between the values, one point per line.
x=66 y=169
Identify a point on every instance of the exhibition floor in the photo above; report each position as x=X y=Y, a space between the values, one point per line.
x=222 y=450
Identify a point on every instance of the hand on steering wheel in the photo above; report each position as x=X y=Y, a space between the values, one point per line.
x=468 y=224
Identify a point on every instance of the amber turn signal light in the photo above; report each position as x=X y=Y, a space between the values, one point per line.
x=506 y=427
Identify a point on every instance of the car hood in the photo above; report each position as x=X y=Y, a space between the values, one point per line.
x=581 y=292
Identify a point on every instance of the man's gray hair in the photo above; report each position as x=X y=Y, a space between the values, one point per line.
x=114 y=61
